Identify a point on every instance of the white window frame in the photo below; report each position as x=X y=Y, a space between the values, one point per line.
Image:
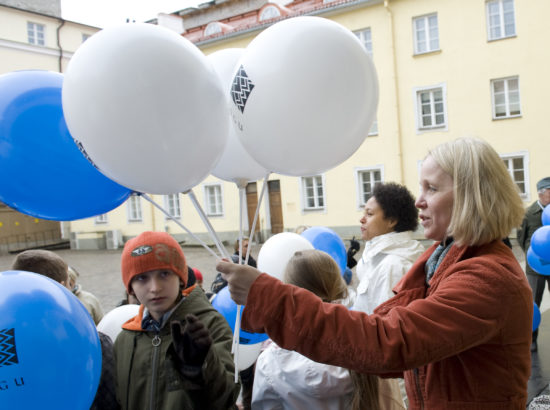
x=373 y=128
x=318 y=181
x=417 y=92
x=360 y=193
x=212 y=28
x=219 y=207
x=172 y=206
x=426 y=27
x=101 y=219
x=365 y=37
x=508 y=161
x=270 y=12
x=501 y=25
x=134 y=209
x=506 y=92
x=34 y=32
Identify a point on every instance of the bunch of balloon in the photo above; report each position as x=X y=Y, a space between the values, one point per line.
x=249 y=343
x=326 y=240
x=539 y=259
x=277 y=251
x=111 y=323
x=45 y=174
x=146 y=107
x=536 y=317
x=304 y=96
x=50 y=353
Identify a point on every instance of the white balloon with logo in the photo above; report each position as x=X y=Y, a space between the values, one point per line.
x=304 y=96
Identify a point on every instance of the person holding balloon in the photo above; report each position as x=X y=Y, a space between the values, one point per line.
x=176 y=352
x=459 y=326
x=531 y=222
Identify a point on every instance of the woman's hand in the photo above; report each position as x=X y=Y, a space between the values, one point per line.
x=239 y=279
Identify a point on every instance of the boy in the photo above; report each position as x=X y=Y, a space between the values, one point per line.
x=175 y=354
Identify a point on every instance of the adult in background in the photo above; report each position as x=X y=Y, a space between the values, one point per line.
x=387 y=227
x=531 y=222
x=459 y=326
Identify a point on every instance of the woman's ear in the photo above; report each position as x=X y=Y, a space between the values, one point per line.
x=392 y=224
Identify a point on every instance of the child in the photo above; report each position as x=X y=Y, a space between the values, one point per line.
x=89 y=300
x=286 y=379
x=176 y=352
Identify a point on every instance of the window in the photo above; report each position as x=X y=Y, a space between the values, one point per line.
x=172 y=205
x=212 y=28
x=101 y=219
x=426 y=34
x=517 y=167
x=431 y=111
x=365 y=37
x=500 y=19
x=213 y=199
x=313 y=193
x=134 y=208
x=35 y=34
x=374 y=127
x=366 y=179
x=270 y=12
x=506 y=97
x=85 y=37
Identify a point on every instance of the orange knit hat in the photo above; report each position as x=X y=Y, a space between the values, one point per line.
x=151 y=251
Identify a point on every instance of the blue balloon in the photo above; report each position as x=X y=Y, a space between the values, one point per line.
x=536 y=316
x=546 y=215
x=537 y=264
x=326 y=240
x=50 y=354
x=540 y=242
x=44 y=173
x=225 y=305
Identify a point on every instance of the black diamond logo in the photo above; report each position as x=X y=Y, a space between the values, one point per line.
x=241 y=88
x=8 y=353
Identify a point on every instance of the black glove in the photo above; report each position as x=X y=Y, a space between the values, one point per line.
x=352 y=250
x=193 y=342
x=355 y=245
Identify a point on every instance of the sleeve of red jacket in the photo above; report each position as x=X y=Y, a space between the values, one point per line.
x=467 y=310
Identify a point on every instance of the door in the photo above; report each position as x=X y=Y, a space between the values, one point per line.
x=275 y=208
x=251 y=205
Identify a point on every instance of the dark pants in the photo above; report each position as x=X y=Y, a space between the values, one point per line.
x=537 y=283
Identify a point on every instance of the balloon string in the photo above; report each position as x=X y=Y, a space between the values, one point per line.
x=208 y=225
x=252 y=231
x=179 y=224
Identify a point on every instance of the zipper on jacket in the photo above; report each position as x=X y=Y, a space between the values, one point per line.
x=156 y=348
x=418 y=389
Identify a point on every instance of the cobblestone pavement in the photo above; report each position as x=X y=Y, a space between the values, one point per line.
x=100 y=270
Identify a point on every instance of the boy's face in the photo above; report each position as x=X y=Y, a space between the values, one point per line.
x=157 y=290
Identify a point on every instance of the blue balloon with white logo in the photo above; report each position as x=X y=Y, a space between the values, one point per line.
x=326 y=240
x=536 y=317
x=223 y=303
x=44 y=173
x=50 y=353
x=537 y=264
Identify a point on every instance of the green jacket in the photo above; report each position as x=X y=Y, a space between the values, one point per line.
x=531 y=222
x=148 y=376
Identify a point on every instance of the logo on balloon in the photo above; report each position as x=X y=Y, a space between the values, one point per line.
x=241 y=88
x=8 y=353
x=83 y=151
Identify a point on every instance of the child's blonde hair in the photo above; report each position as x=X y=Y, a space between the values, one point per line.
x=317 y=272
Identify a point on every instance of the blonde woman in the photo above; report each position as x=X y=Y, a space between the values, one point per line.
x=459 y=326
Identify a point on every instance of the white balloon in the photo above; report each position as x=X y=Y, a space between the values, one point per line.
x=236 y=164
x=304 y=96
x=145 y=106
x=248 y=355
x=277 y=251
x=112 y=322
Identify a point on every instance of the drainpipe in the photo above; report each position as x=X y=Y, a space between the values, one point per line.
x=397 y=104
x=60 y=62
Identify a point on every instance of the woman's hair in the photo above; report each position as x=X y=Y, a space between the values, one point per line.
x=486 y=204
x=365 y=391
x=317 y=272
x=397 y=203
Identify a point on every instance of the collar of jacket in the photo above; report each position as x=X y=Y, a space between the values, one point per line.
x=135 y=322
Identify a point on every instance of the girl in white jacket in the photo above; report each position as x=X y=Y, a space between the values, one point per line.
x=287 y=380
